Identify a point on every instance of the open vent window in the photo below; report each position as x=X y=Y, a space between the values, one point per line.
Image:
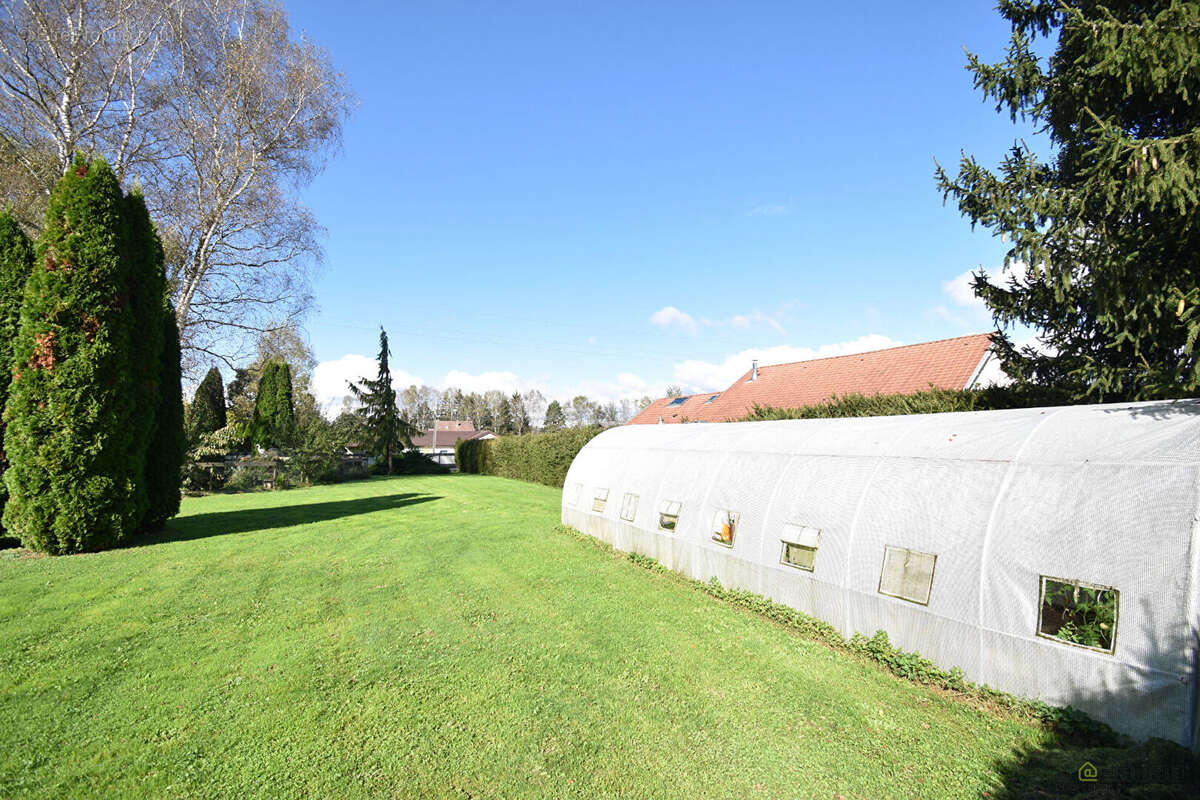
x=599 y=500
x=629 y=506
x=724 y=527
x=800 y=543
x=1078 y=613
x=668 y=515
x=907 y=574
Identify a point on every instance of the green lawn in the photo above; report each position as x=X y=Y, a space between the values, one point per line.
x=435 y=636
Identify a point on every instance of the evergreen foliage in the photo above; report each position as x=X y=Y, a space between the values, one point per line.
x=143 y=254
x=16 y=262
x=504 y=418
x=386 y=427
x=274 y=410
x=535 y=457
x=930 y=401
x=168 y=445
x=1103 y=237
x=207 y=411
x=555 y=420
x=70 y=433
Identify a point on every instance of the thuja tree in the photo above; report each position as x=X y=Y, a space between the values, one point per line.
x=147 y=295
x=386 y=426
x=274 y=411
x=207 y=412
x=1105 y=232
x=73 y=479
x=168 y=443
x=16 y=262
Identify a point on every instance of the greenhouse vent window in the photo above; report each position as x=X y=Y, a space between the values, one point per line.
x=629 y=506
x=668 y=515
x=598 y=501
x=573 y=494
x=1079 y=613
x=800 y=543
x=907 y=574
x=725 y=527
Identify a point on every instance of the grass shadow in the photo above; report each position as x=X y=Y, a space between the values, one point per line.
x=220 y=523
x=1091 y=762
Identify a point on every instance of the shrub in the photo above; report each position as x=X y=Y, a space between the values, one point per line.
x=73 y=479
x=316 y=457
x=274 y=412
x=930 y=401
x=410 y=462
x=207 y=412
x=246 y=477
x=16 y=262
x=535 y=457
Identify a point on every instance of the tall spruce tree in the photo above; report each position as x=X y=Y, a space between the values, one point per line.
x=555 y=420
x=168 y=444
x=274 y=409
x=70 y=433
x=386 y=426
x=1104 y=235
x=16 y=262
x=207 y=411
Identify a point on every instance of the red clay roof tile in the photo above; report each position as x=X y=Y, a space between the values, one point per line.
x=944 y=364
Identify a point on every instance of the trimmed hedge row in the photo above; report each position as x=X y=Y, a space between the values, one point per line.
x=535 y=457
x=930 y=401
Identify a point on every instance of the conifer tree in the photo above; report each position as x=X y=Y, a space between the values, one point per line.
x=168 y=445
x=1103 y=236
x=555 y=420
x=147 y=292
x=16 y=262
x=274 y=410
x=385 y=424
x=207 y=412
x=504 y=417
x=70 y=435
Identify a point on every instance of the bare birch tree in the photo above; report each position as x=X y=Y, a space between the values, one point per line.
x=215 y=108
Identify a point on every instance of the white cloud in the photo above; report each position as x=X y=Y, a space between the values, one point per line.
x=959 y=290
x=625 y=386
x=771 y=210
x=507 y=382
x=967 y=310
x=631 y=381
x=670 y=315
x=704 y=376
x=744 y=321
x=330 y=379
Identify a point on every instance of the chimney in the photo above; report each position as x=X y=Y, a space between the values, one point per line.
x=754 y=370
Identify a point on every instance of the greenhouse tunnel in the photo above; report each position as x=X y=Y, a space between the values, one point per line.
x=1051 y=553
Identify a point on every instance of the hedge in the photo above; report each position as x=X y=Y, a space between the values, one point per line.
x=930 y=401
x=535 y=457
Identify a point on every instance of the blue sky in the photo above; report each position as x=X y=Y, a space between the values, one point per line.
x=612 y=197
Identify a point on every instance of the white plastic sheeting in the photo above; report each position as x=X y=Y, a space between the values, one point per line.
x=1106 y=495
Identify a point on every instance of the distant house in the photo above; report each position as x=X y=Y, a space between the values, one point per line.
x=965 y=362
x=438 y=442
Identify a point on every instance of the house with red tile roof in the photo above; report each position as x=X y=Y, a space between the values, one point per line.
x=964 y=362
